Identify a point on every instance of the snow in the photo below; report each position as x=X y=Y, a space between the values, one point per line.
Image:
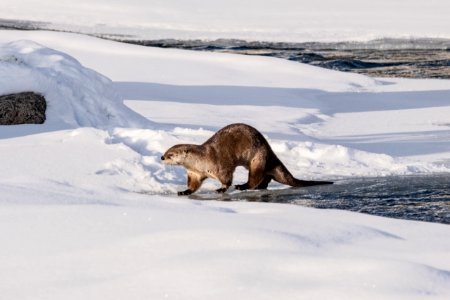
x=76 y=96
x=181 y=249
x=268 y=20
x=88 y=211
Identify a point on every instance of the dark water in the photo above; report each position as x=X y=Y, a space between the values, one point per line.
x=408 y=58
x=423 y=198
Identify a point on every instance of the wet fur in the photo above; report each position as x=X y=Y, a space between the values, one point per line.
x=232 y=146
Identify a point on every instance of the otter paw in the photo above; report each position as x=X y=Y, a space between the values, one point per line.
x=241 y=187
x=221 y=190
x=185 y=193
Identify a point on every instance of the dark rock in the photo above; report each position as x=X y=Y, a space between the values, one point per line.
x=22 y=108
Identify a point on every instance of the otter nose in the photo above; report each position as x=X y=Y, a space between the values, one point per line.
x=162 y=158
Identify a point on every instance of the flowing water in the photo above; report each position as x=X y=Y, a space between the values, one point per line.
x=423 y=198
x=408 y=58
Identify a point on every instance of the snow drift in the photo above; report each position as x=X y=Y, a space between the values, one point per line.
x=76 y=96
x=298 y=107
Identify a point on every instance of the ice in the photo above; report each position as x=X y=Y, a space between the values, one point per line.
x=270 y=20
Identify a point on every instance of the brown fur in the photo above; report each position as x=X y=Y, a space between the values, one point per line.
x=232 y=146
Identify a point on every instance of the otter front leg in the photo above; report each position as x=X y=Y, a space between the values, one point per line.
x=194 y=181
x=224 y=188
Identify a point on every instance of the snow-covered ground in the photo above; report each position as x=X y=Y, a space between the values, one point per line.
x=88 y=211
x=274 y=20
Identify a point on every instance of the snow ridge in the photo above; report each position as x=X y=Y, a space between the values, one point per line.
x=76 y=96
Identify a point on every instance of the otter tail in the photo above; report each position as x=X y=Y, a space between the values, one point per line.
x=282 y=175
x=302 y=183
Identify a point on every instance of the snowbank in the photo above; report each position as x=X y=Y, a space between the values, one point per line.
x=323 y=124
x=76 y=96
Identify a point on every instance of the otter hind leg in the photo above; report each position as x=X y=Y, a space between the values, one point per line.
x=264 y=183
x=241 y=187
x=194 y=181
x=256 y=176
x=226 y=178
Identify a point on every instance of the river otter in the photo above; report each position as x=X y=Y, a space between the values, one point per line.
x=232 y=146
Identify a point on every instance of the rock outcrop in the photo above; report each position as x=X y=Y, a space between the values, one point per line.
x=22 y=108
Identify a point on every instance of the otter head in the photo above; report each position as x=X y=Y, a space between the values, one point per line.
x=176 y=155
